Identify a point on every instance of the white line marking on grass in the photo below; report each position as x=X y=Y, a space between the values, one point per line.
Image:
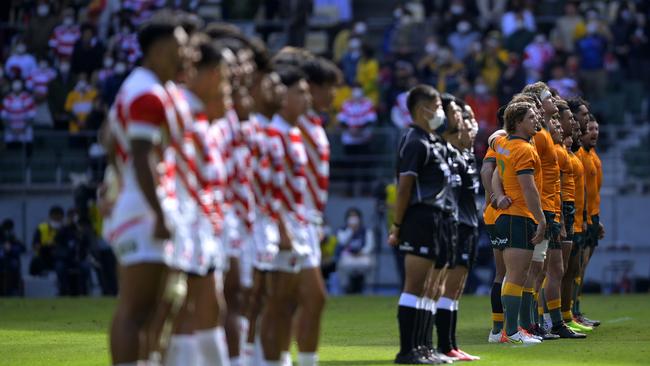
x=619 y=320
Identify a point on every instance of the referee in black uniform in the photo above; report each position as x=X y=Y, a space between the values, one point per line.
x=420 y=219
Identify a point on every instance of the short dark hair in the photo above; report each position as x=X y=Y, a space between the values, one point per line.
x=56 y=210
x=418 y=94
x=232 y=38
x=190 y=22
x=500 y=113
x=161 y=25
x=321 y=71
x=290 y=75
x=210 y=50
x=575 y=103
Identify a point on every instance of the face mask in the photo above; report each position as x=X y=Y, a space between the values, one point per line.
x=431 y=48
x=357 y=93
x=108 y=63
x=68 y=21
x=20 y=49
x=438 y=119
x=457 y=9
x=120 y=68
x=55 y=224
x=64 y=67
x=397 y=13
x=42 y=65
x=463 y=27
x=82 y=84
x=353 y=221
x=17 y=86
x=592 y=27
x=360 y=28
x=481 y=89
x=43 y=10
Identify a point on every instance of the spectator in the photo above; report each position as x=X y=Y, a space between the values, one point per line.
x=59 y=89
x=623 y=29
x=20 y=64
x=18 y=112
x=72 y=265
x=368 y=74
x=356 y=244
x=490 y=12
x=328 y=246
x=65 y=36
x=517 y=17
x=88 y=52
x=640 y=48
x=484 y=104
x=39 y=30
x=591 y=50
x=350 y=60
x=106 y=71
x=356 y=118
x=342 y=39
x=112 y=84
x=569 y=27
x=79 y=104
x=444 y=72
x=124 y=44
x=536 y=57
x=10 y=250
x=517 y=40
x=407 y=37
x=399 y=114
x=512 y=80
x=462 y=39
x=37 y=83
x=43 y=242
x=492 y=61
x=565 y=86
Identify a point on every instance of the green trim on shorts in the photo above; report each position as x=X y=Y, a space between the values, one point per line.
x=515 y=231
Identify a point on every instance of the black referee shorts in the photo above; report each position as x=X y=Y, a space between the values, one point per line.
x=466 y=246
x=426 y=232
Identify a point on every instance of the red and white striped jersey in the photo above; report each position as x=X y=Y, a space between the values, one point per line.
x=142 y=110
x=400 y=114
x=357 y=112
x=63 y=39
x=317 y=147
x=142 y=9
x=18 y=110
x=244 y=196
x=39 y=80
x=261 y=164
x=288 y=166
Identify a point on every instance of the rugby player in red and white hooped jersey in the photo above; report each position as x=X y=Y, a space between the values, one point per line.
x=138 y=227
x=268 y=94
x=198 y=335
x=289 y=185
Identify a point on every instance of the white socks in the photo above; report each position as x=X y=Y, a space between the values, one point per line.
x=307 y=359
x=445 y=303
x=212 y=346
x=183 y=350
x=285 y=358
x=234 y=361
x=273 y=363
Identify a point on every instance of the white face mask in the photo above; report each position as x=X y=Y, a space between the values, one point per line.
x=360 y=28
x=82 y=84
x=55 y=224
x=108 y=63
x=120 y=68
x=43 y=10
x=17 y=86
x=431 y=48
x=42 y=65
x=357 y=93
x=353 y=221
x=20 y=49
x=437 y=120
x=68 y=21
x=481 y=89
x=457 y=9
x=64 y=67
x=463 y=27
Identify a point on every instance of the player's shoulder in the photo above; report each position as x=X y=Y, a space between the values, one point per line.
x=141 y=84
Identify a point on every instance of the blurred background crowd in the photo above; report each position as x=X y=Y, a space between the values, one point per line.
x=62 y=62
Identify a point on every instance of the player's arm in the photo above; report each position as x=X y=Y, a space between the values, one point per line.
x=144 y=173
x=412 y=157
x=501 y=200
x=531 y=196
x=494 y=136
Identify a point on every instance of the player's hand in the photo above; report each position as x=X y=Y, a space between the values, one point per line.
x=539 y=233
x=393 y=236
x=160 y=230
x=601 y=230
x=503 y=202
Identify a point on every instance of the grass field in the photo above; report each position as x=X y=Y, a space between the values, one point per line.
x=357 y=331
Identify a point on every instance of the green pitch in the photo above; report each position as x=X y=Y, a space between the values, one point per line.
x=357 y=331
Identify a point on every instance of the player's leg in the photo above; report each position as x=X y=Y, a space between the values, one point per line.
x=311 y=302
x=275 y=327
x=183 y=347
x=210 y=305
x=139 y=287
x=255 y=306
x=232 y=292
x=495 y=296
